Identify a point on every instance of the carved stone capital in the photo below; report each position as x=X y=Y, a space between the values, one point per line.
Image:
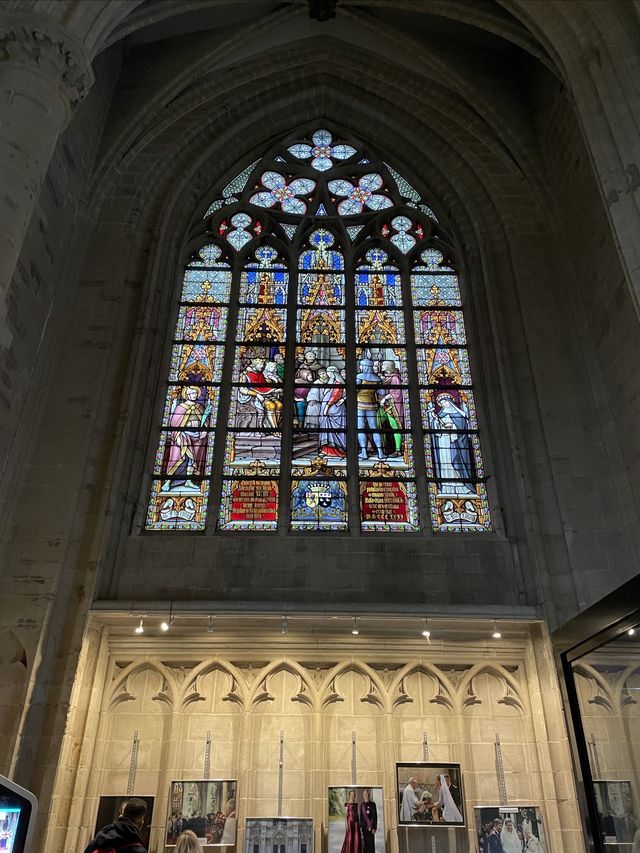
x=58 y=55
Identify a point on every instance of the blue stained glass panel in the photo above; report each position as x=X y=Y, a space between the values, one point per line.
x=435 y=289
x=206 y=285
x=319 y=504
x=260 y=286
x=378 y=287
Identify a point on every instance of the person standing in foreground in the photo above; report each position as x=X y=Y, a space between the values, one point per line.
x=125 y=832
x=188 y=843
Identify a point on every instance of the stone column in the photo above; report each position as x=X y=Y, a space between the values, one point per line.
x=44 y=72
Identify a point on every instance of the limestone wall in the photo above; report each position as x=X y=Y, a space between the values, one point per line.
x=247 y=689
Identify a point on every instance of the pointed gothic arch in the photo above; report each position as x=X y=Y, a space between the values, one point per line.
x=320 y=310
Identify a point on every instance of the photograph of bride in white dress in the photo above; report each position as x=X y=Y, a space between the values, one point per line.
x=430 y=794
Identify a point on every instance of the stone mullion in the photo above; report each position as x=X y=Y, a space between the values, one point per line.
x=286 y=441
x=353 y=482
x=319 y=776
x=389 y=756
x=413 y=393
x=244 y=770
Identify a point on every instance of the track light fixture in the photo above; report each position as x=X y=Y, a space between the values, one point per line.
x=285 y=625
x=426 y=632
x=167 y=623
x=210 y=625
x=496 y=633
x=140 y=626
x=354 y=629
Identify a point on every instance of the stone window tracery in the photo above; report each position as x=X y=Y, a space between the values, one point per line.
x=322 y=315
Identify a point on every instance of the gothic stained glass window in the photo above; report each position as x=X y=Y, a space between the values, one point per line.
x=323 y=316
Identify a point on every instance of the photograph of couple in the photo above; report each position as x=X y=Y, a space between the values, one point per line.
x=515 y=829
x=356 y=820
x=429 y=794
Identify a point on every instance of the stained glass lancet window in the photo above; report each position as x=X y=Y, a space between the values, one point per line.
x=319 y=376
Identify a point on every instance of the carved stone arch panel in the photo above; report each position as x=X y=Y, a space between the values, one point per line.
x=593 y=688
x=628 y=689
x=198 y=686
x=123 y=686
x=406 y=689
x=305 y=691
x=281 y=706
x=509 y=693
x=373 y=690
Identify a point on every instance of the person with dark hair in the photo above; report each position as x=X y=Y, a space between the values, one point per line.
x=125 y=832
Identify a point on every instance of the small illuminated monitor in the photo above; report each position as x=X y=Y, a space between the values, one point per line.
x=18 y=809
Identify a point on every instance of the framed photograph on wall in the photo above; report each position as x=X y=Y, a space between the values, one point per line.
x=616 y=811
x=354 y=809
x=510 y=829
x=429 y=794
x=278 y=835
x=110 y=808
x=205 y=806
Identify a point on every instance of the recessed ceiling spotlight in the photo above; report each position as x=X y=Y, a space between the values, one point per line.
x=631 y=631
x=167 y=623
x=496 y=634
x=140 y=626
x=354 y=629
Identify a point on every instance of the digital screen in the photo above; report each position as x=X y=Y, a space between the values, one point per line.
x=9 y=821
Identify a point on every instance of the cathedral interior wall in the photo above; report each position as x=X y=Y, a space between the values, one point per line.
x=549 y=306
x=320 y=691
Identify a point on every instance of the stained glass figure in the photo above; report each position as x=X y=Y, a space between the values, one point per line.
x=185 y=452
x=314 y=260
x=457 y=492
